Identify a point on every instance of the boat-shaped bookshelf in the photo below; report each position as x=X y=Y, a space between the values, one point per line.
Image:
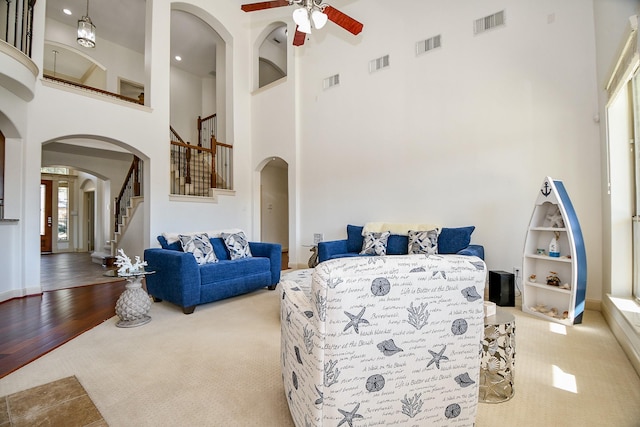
x=554 y=268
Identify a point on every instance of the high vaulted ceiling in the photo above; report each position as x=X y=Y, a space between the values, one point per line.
x=122 y=22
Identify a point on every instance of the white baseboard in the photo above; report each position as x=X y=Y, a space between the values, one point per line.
x=19 y=293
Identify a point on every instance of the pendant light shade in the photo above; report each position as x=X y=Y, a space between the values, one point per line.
x=86 y=30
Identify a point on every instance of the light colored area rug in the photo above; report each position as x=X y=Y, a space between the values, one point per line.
x=220 y=367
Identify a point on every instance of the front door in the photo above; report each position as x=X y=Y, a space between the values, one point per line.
x=46 y=211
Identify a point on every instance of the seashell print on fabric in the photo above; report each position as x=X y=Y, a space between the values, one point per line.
x=464 y=380
x=389 y=348
x=471 y=294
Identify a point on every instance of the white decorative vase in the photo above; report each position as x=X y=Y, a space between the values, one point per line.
x=554 y=246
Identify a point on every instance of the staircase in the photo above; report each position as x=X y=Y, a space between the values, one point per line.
x=196 y=170
x=125 y=205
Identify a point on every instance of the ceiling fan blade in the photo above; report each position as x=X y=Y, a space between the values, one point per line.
x=299 y=37
x=343 y=20
x=252 y=7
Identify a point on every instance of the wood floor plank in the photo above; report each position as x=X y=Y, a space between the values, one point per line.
x=34 y=325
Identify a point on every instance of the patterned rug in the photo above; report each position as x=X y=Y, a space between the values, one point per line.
x=59 y=403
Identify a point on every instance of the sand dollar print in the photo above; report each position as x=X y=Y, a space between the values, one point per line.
x=380 y=286
x=452 y=410
x=375 y=383
x=459 y=326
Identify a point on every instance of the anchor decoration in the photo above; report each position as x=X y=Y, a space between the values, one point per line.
x=546 y=190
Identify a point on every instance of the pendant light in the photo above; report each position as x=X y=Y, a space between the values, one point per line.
x=86 y=30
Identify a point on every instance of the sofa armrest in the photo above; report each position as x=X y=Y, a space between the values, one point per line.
x=273 y=251
x=473 y=250
x=176 y=278
x=330 y=248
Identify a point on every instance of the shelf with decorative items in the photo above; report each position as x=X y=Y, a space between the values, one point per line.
x=554 y=265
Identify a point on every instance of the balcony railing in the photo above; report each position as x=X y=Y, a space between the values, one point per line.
x=17 y=27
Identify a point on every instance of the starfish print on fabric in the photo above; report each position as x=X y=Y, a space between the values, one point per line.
x=355 y=320
x=349 y=416
x=437 y=357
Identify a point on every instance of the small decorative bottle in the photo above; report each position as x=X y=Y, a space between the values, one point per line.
x=554 y=245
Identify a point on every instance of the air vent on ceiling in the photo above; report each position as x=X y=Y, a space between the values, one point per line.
x=331 y=81
x=488 y=22
x=424 y=46
x=379 y=63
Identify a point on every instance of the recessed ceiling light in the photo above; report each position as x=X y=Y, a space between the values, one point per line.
x=178 y=58
x=66 y=11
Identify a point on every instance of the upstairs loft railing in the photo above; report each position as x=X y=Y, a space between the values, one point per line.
x=18 y=23
x=132 y=187
x=195 y=169
x=92 y=89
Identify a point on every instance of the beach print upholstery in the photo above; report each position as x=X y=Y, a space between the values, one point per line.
x=371 y=341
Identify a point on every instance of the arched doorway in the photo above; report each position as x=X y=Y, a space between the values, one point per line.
x=274 y=205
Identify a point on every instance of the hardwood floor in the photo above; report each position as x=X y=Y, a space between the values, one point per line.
x=34 y=325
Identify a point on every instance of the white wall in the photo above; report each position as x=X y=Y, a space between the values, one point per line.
x=119 y=61
x=463 y=135
x=186 y=104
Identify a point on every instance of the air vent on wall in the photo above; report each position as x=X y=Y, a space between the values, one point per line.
x=379 y=63
x=331 y=81
x=424 y=46
x=488 y=22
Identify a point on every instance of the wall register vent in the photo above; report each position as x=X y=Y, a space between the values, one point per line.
x=331 y=81
x=424 y=46
x=379 y=63
x=489 y=22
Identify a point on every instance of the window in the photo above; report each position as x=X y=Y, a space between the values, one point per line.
x=623 y=170
x=55 y=170
x=63 y=211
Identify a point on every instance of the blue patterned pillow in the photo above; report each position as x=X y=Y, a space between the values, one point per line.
x=375 y=243
x=200 y=246
x=237 y=245
x=423 y=242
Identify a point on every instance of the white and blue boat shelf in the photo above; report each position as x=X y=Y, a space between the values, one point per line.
x=564 y=303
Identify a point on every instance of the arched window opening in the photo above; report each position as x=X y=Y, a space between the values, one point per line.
x=272 y=61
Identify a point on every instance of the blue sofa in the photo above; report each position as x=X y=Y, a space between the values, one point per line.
x=180 y=280
x=450 y=241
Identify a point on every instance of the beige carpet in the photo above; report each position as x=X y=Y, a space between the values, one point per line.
x=220 y=367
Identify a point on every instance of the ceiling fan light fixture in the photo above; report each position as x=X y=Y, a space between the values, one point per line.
x=301 y=18
x=319 y=19
x=86 y=31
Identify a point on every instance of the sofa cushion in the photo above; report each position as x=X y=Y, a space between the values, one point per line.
x=397 y=244
x=237 y=245
x=200 y=246
x=354 y=238
x=375 y=243
x=227 y=269
x=423 y=242
x=452 y=240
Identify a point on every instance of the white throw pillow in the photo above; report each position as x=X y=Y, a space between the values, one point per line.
x=423 y=242
x=200 y=246
x=375 y=243
x=237 y=244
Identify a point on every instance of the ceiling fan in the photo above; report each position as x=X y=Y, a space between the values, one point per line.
x=311 y=12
